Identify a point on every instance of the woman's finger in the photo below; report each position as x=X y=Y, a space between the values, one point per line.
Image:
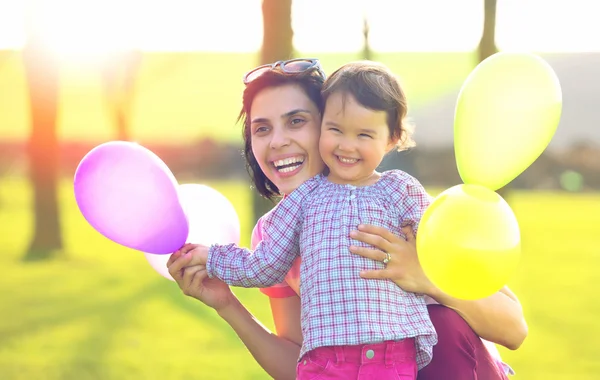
x=188 y=276
x=409 y=233
x=199 y=278
x=371 y=239
x=181 y=251
x=175 y=268
x=377 y=230
x=174 y=256
x=380 y=274
x=369 y=253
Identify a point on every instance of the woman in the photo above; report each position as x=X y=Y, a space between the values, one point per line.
x=282 y=110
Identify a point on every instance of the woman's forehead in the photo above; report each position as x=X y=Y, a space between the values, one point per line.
x=280 y=100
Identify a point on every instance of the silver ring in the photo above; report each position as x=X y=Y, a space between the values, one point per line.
x=387 y=259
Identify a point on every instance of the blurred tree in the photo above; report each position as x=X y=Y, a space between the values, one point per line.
x=487 y=47
x=277 y=31
x=41 y=69
x=487 y=44
x=366 y=53
x=119 y=73
x=277 y=45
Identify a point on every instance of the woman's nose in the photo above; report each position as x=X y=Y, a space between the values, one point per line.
x=279 y=139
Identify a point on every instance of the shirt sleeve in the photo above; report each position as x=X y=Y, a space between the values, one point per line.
x=413 y=199
x=281 y=290
x=272 y=257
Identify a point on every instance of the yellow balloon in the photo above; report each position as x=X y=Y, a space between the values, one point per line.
x=469 y=242
x=507 y=111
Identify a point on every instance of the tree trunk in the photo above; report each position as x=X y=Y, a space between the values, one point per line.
x=487 y=44
x=277 y=31
x=277 y=46
x=487 y=47
x=119 y=73
x=366 y=53
x=43 y=80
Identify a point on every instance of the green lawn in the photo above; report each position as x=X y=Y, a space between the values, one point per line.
x=183 y=96
x=103 y=313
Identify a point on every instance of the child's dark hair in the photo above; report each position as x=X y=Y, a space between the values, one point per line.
x=310 y=82
x=375 y=87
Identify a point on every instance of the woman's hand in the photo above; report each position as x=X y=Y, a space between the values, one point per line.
x=187 y=267
x=403 y=267
x=497 y=318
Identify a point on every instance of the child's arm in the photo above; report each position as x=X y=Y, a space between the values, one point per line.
x=272 y=258
x=414 y=202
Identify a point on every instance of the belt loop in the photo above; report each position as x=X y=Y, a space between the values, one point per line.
x=339 y=354
x=389 y=354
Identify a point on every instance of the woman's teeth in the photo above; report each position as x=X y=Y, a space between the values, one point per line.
x=288 y=169
x=288 y=164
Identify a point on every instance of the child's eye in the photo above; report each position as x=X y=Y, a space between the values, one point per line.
x=365 y=135
x=334 y=129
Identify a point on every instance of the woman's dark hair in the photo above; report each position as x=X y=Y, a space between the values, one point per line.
x=310 y=82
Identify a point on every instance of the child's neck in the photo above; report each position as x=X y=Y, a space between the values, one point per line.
x=358 y=182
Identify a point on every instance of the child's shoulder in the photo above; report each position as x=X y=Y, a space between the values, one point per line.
x=399 y=183
x=398 y=176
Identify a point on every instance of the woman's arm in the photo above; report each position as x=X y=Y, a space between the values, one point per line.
x=276 y=354
x=498 y=318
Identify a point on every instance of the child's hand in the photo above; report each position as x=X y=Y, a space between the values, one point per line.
x=187 y=267
x=197 y=253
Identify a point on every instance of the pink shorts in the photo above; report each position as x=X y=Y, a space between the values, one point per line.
x=387 y=360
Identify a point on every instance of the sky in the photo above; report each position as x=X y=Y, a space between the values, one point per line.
x=93 y=26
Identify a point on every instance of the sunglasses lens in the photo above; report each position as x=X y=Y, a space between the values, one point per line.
x=297 y=66
x=256 y=73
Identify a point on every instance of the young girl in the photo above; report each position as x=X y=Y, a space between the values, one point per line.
x=366 y=327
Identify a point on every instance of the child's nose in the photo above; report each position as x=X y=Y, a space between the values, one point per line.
x=345 y=145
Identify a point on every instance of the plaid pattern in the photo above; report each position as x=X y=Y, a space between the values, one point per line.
x=338 y=307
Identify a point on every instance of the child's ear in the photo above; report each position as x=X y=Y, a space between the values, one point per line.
x=392 y=144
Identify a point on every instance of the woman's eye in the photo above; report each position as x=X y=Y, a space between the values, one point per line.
x=297 y=121
x=260 y=129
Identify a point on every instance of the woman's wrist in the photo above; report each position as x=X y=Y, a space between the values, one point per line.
x=229 y=308
x=433 y=292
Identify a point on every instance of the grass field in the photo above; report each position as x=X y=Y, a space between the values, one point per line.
x=102 y=313
x=179 y=97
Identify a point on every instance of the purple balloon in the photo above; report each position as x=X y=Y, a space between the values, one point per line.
x=128 y=194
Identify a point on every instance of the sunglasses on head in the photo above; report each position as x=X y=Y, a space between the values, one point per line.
x=292 y=66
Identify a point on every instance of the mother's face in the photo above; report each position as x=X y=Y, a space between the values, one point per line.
x=284 y=132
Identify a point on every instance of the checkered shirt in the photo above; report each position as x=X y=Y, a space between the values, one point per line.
x=338 y=306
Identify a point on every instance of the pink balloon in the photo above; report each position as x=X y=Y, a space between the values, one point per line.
x=212 y=220
x=129 y=195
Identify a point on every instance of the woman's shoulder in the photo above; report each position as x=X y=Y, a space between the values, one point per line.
x=307 y=188
x=257 y=232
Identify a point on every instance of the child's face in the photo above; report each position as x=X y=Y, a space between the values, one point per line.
x=353 y=140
